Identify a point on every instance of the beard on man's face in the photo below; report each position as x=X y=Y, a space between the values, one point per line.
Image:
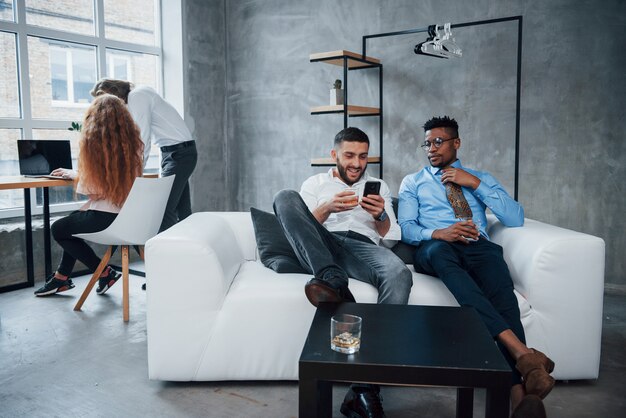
x=343 y=173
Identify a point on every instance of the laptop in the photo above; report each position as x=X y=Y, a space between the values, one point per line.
x=38 y=158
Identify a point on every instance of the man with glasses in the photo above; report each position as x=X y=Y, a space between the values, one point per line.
x=442 y=212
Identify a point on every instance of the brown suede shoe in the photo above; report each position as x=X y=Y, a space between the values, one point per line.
x=530 y=407
x=535 y=368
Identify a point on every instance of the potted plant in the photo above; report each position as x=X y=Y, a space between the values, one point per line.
x=336 y=94
x=76 y=126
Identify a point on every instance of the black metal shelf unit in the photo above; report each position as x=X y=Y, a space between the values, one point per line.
x=352 y=61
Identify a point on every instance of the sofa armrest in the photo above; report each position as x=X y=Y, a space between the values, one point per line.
x=202 y=245
x=189 y=270
x=560 y=273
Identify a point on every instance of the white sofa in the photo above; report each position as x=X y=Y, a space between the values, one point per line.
x=214 y=312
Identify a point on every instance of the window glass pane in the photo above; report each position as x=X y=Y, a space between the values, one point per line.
x=61 y=76
x=83 y=74
x=9 y=93
x=154 y=161
x=135 y=67
x=130 y=21
x=6 y=10
x=8 y=152
x=60 y=194
x=119 y=68
x=58 y=73
x=9 y=166
x=66 y=15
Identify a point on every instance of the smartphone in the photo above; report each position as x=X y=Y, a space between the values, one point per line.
x=371 y=187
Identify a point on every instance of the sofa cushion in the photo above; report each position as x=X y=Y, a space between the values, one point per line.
x=274 y=249
x=403 y=250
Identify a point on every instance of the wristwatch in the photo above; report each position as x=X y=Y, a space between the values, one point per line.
x=383 y=216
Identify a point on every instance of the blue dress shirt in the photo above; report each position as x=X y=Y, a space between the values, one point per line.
x=423 y=206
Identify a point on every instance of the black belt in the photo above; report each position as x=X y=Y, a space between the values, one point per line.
x=180 y=145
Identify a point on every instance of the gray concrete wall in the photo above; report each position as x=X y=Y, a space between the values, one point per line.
x=251 y=86
x=205 y=111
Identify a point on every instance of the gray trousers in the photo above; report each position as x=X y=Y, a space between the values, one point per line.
x=335 y=256
x=181 y=162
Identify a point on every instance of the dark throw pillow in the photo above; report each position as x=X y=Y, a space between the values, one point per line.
x=274 y=249
x=403 y=250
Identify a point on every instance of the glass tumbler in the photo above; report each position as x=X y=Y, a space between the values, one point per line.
x=345 y=333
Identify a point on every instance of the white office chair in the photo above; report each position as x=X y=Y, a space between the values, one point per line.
x=138 y=221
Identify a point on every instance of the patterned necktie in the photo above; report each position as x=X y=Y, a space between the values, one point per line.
x=458 y=201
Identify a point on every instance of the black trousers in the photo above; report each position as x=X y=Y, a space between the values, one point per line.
x=181 y=162
x=74 y=248
x=477 y=275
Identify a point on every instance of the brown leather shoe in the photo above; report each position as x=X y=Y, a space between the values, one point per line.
x=317 y=291
x=530 y=407
x=535 y=368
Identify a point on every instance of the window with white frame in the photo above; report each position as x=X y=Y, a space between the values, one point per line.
x=52 y=54
x=72 y=75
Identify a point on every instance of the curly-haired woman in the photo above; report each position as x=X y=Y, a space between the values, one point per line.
x=110 y=158
x=162 y=126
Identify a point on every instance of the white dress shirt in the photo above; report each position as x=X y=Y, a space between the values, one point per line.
x=159 y=123
x=321 y=188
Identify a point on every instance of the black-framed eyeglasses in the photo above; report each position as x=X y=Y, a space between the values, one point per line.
x=437 y=142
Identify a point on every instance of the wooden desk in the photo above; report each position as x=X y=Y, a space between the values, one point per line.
x=21 y=182
x=26 y=183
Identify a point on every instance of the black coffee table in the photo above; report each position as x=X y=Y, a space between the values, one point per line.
x=409 y=346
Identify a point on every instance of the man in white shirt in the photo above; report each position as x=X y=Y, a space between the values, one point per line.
x=336 y=235
x=161 y=125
